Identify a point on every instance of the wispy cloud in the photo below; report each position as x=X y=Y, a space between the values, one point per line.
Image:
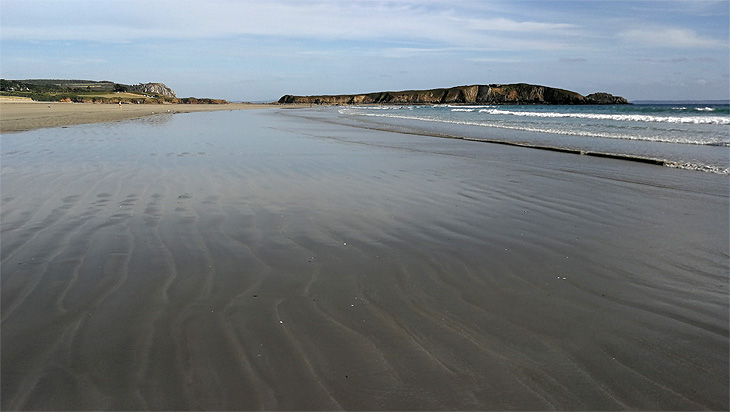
x=681 y=60
x=508 y=25
x=82 y=61
x=409 y=20
x=670 y=38
x=572 y=60
x=495 y=60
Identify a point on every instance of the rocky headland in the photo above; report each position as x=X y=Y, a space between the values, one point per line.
x=158 y=89
x=519 y=93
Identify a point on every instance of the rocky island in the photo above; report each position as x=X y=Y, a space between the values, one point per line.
x=519 y=93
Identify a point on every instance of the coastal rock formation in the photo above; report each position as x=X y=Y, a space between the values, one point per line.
x=154 y=88
x=605 y=98
x=519 y=93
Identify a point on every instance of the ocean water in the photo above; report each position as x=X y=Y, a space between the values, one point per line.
x=690 y=136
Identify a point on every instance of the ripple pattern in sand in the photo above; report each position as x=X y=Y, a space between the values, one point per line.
x=309 y=272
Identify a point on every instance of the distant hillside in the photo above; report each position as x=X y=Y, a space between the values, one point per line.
x=519 y=93
x=66 y=84
x=91 y=91
x=57 y=85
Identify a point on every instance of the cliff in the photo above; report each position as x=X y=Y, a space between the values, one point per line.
x=520 y=93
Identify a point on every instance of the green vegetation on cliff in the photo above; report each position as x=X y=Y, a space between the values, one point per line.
x=89 y=91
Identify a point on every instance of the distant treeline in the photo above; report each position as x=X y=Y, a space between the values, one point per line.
x=135 y=100
x=58 y=86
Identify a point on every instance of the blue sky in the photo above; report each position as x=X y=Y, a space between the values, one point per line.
x=260 y=50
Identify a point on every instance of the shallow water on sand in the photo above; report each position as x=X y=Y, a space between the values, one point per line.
x=261 y=260
x=689 y=136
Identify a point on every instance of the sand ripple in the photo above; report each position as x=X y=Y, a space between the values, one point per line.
x=299 y=265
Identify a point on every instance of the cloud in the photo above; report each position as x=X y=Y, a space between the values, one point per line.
x=681 y=60
x=405 y=21
x=503 y=24
x=670 y=38
x=572 y=60
x=664 y=61
x=82 y=61
x=495 y=60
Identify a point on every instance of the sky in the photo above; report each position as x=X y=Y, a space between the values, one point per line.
x=260 y=50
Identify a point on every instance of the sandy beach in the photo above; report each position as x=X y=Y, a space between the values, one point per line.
x=261 y=260
x=23 y=114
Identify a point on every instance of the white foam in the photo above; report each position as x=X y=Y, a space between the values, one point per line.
x=702 y=168
x=606 y=135
x=382 y=107
x=617 y=117
x=468 y=107
x=684 y=139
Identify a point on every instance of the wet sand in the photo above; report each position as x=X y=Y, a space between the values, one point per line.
x=20 y=114
x=259 y=260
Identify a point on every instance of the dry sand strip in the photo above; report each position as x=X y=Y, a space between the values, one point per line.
x=20 y=115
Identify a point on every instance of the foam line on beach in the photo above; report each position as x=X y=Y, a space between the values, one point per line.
x=617 y=156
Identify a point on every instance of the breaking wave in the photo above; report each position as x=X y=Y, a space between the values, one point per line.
x=722 y=120
x=561 y=131
x=688 y=137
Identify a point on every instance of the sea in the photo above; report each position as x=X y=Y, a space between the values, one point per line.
x=681 y=135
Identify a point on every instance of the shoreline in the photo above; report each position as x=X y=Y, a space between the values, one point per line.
x=616 y=156
x=19 y=115
x=24 y=115
x=697 y=156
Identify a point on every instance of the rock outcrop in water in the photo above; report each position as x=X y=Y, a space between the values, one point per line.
x=605 y=98
x=519 y=93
